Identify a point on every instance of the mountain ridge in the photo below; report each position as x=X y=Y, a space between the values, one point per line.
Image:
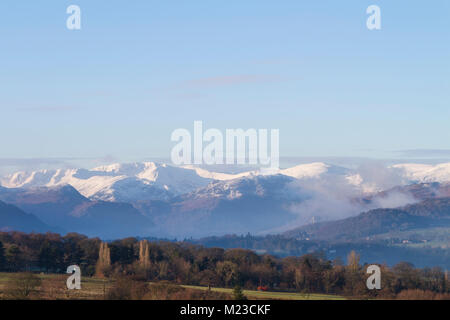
x=66 y=208
x=428 y=213
x=14 y=219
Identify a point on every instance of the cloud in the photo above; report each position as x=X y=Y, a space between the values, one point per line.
x=334 y=196
x=377 y=174
x=393 y=199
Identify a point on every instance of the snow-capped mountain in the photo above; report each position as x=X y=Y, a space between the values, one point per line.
x=262 y=186
x=422 y=173
x=155 y=181
x=165 y=200
x=117 y=182
x=313 y=170
x=249 y=204
x=146 y=180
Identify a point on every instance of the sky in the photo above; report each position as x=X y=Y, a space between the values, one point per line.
x=138 y=70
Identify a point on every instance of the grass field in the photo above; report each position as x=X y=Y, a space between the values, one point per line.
x=53 y=286
x=273 y=295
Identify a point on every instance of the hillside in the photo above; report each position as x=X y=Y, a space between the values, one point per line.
x=65 y=208
x=12 y=218
x=426 y=214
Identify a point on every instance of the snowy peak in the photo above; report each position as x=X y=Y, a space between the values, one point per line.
x=252 y=185
x=28 y=179
x=219 y=175
x=310 y=170
x=116 y=182
x=137 y=181
x=423 y=173
x=128 y=169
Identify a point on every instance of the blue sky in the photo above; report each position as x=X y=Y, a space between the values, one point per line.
x=140 y=69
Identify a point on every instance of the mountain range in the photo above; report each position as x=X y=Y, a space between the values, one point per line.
x=152 y=199
x=143 y=181
x=430 y=213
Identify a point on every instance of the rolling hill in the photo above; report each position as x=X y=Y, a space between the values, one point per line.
x=12 y=218
x=63 y=207
x=429 y=213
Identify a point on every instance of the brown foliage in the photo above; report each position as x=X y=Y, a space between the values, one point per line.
x=53 y=288
x=125 y=288
x=103 y=267
x=22 y=286
x=167 y=291
x=417 y=294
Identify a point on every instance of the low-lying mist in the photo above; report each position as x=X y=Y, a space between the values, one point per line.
x=333 y=197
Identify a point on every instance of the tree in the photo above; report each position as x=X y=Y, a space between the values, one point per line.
x=354 y=283
x=14 y=258
x=228 y=271
x=144 y=254
x=73 y=253
x=104 y=260
x=208 y=278
x=406 y=277
x=238 y=294
x=22 y=285
x=309 y=273
x=2 y=257
x=49 y=256
x=353 y=261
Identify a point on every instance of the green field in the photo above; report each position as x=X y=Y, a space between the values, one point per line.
x=54 y=287
x=251 y=294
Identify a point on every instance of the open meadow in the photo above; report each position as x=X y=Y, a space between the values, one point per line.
x=53 y=287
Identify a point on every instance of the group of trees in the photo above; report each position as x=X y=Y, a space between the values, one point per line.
x=48 y=252
x=370 y=250
x=183 y=263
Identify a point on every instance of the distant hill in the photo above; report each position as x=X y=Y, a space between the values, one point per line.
x=420 y=191
x=66 y=208
x=248 y=204
x=14 y=219
x=426 y=214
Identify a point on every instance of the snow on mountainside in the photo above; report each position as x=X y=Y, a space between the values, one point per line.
x=190 y=201
x=424 y=172
x=219 y=175
x=302 y=171
x=313 y=170
x=250 y=204
x=274 y=186
x=142 y=181
x=154 y=181
x=118 y=182
x=176 y=180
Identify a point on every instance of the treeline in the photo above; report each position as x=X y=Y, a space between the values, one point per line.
x=383 y=251
x=183 y=263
